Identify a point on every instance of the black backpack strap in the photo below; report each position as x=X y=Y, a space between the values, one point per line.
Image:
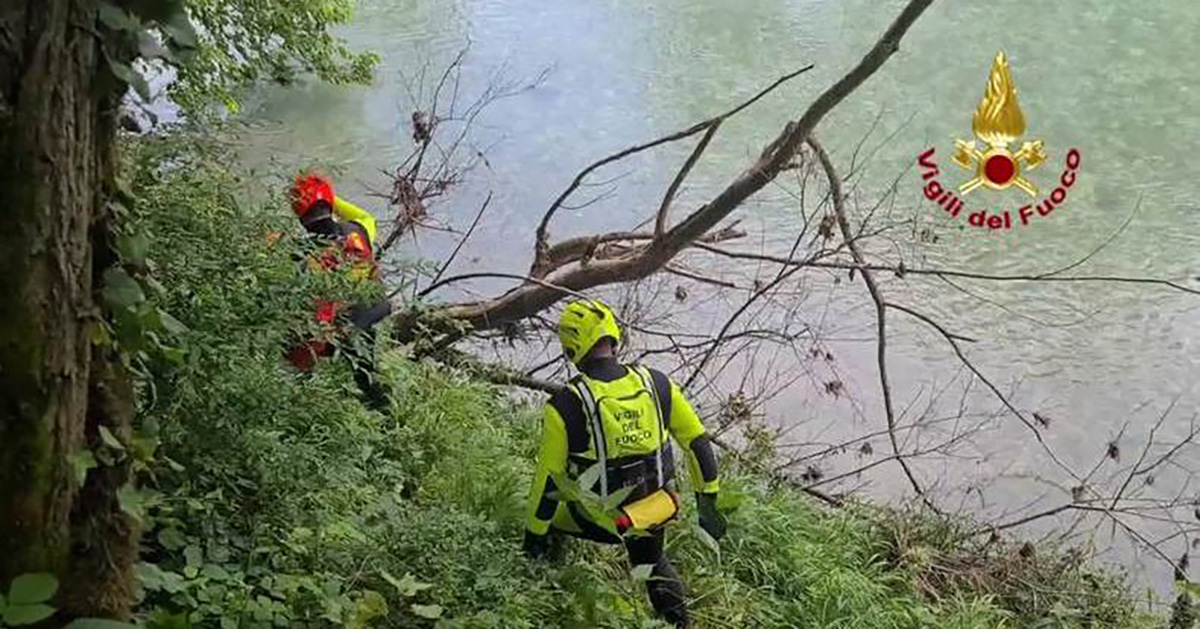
x=570 y=408
x=662 y=387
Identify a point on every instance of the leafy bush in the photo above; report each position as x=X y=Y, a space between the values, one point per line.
x=278 y=500
x=239 y=42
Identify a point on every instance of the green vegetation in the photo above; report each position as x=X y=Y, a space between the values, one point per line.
x=215 y=48
x=242 y=41
x=262 y=498
x=276 y=500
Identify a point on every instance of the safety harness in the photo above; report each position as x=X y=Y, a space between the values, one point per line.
x=647 y=473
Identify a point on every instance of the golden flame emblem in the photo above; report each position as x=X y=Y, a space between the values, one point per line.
x=997 y=122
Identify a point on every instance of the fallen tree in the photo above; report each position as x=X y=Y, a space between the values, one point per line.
x=572 y=265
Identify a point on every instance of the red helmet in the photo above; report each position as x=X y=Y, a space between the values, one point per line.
x=307 y=191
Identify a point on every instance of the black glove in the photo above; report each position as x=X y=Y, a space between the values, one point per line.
x=711 y=520
x=536 y=546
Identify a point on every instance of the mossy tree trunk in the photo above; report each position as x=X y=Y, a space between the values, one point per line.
x=57 y=129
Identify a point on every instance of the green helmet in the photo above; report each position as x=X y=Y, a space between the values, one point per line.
x=582 y=324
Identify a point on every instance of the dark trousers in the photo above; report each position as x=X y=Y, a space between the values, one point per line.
x=664 y=587
x=360 y=352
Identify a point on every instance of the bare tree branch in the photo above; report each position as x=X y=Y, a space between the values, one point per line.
x=462 y=241
x=839 y=208
x=660 y=222
x=901 y=270
x=534 y=297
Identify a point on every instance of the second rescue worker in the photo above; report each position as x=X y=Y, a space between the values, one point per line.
x=618 y=416
x=347 y=235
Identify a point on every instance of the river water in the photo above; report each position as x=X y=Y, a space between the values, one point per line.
x=1115 y=80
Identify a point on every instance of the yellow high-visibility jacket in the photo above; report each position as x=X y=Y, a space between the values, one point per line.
x=356 y=245
x=347 y=211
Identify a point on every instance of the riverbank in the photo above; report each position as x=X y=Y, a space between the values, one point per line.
x=272 y=500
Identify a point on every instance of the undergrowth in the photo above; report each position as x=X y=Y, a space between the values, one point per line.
x=277 y=500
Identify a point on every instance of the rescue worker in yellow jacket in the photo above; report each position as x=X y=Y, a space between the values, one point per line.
x=345 y=234
x=618 y=416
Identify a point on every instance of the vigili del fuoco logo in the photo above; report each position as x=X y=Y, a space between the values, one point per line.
x=997 y=124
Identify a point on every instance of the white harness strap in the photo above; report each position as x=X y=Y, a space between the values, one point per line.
x=591 y=409
x=593 y=414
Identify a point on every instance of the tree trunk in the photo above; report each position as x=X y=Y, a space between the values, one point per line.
x=57 y=131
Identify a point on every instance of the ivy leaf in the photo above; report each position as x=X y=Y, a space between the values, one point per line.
x=387 y=576
x=172 y=582
x=16 y=615
x=369 y=606
x=132 y=501
x=154 y=578
x=171 y=539
x=144 y=447
x=130 y=77
x=215 y=572
x=407 y=586
x=155 y=286
x=117 y=18
x=108 y=439
x=175 y=356
x=83 y=462
x=149 y=575
x=133 y=248
x=179 y=31
x=37 y=587
x=121 y=290
x=171 y=324
x=432 y=612
x=193 y=555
